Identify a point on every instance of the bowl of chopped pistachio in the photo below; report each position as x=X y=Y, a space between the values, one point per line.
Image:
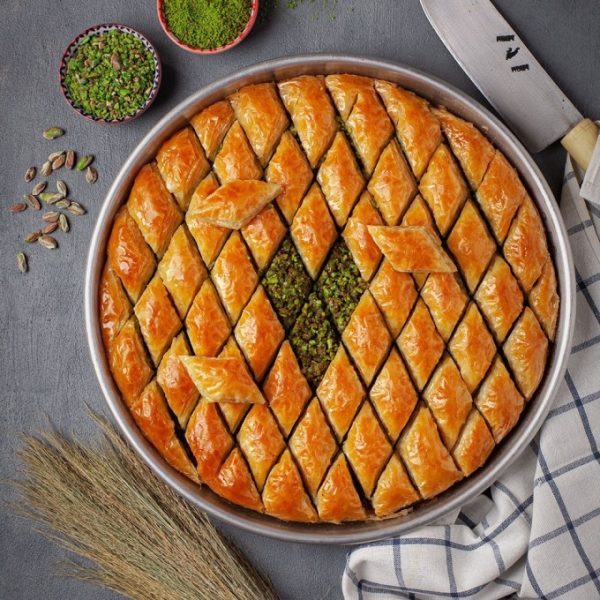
x=110 y=73
x=207 y=26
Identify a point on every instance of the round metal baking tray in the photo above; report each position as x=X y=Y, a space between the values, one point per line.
x=437 y=92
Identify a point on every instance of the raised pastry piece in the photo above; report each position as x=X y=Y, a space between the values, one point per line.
x=393 y=395
x=158 y=319
x=211 y=125
x=446 y=301
x=392 y=184
x=308 y=103
x=430 y=465
x=443 y=188
x=284 y=495
x=340 y=178
x=365 y=117
x=474 y=445
x=367 y=337
x=472 y=347
x=152 y=416
x=289 y=169
x=263 y=234
x=313 y=446
x=449 y=400
x=364 y=250
x=500 y=195
x=367 y=448
x=544 y=300
x=416 y=126
x=525 y=246
x=526 y=350
x=115 y=307
x=394 y=489
x=412 y=249
x=259 y=332
x=499 y=400
x=129 y=255
x=471 y=244
x=173 y=378
x=261 y=114
x=233 y=412
x=236 y=159
x=182 y=165
x=182 y=270
x=128 y=362
x=500 y=298
x=470 y=146
x=260 y=441
x=340 y=392
x=235 y=203
x=286 y=388
x=313 y=230
x=223 y=379
x=153 y=209
x=338 y=500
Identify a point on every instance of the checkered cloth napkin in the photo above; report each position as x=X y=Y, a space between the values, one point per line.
x=537 y=533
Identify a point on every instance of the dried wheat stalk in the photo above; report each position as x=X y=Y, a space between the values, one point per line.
x=141 y=539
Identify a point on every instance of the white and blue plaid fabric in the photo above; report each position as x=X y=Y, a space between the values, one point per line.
x=537 y=533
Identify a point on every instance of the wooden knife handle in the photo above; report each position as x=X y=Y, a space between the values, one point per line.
x=581 y=141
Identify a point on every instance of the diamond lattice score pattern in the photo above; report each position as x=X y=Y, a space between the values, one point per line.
x=373 y=389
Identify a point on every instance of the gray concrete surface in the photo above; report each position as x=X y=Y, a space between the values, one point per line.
x=44 y=363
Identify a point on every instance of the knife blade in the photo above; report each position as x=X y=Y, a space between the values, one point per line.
x=498 y=62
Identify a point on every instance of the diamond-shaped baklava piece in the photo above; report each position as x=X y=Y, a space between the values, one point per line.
x=500 y=195
x=115 y=307
x=263 y=235
x=338 y=499
x=313 y=445
x=233 y=412
x=289 y=169
x=394 y=489
x=358 y=239
x=474 y=445
x=182 y=165
x=499 y=400
x=340 y=392
x=286 y=388
x=446 y=301
x=234 y=276
x=261 y=114
x=472 y=347
x=284 y=495
x=471 y=245
x=236 y=159
x=173 y=378
x=153 y=209
x=152 y=416
x=367 y=448
x=392 y=184
x=526 y=350
x=211 y=125
x=158 y=318
x=419 y=215
x=367 y=337
x=129 y=255
x=259 y=332
x=307 y=101
x=313 y=230
x=260 y=441
x=182 y=270
x=544 y=300
x=420 y=344
x=207 y=324
x=448 y=399
x=443 y=188
x=500 y=298
x=430 y=465
x=393 y=395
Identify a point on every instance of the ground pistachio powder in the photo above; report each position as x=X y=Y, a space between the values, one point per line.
x=206 y=24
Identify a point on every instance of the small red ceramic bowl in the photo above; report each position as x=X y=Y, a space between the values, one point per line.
x=96 y=29
x=234 y=42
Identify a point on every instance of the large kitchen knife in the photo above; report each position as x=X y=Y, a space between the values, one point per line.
x=509 y=76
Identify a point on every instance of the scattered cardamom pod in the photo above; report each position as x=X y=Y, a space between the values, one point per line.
x=52 y=133
x=63 y=223
x=91 y=175
x=76 y=209
x=39 y=188
x=84 y=161
x=70 y=159
x=32 y=201
x=17 y=207
x=58 y=162
x=50 y=217
x=46 y=169
x=55 y=155
x=22 y=262
x=50 y=197
x=115 y=63
x=30 y=174
x=61 y=186
x=32 y=237
x=47 y=241
x=50 y=228
x=63 y=203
